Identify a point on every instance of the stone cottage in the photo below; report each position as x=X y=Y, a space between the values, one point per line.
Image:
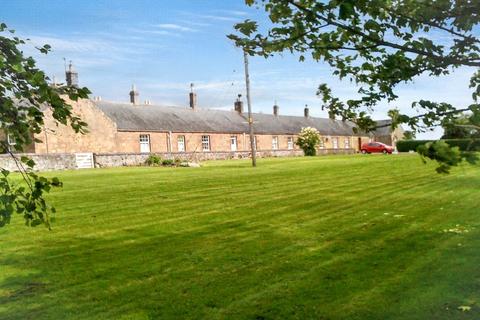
x=140 y=129
x=134 y=128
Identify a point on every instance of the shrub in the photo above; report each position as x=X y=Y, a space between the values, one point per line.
x=308 y=140
x=153 y=160
x=167 y=162
x=462 y=144
x=440 y=151
x=410 y=145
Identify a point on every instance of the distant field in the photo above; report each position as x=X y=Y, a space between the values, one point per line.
x=337 y=237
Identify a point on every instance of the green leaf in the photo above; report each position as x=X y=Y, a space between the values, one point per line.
x=247 y=27
x=18 y=67
x=372 y=25
x=345 y=10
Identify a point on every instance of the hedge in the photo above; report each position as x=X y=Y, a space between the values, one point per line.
x=463 y=144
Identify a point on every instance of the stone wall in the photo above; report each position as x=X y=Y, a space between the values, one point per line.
x=65 y=161
x=135 y=159
x=44 y=162
x=322 y=152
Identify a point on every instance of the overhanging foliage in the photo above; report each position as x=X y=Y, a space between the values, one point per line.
x=376 y=44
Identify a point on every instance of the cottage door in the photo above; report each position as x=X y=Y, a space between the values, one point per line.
x=144 y=143
x=233 y=143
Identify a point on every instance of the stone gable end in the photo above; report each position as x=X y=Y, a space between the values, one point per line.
x=58 y=138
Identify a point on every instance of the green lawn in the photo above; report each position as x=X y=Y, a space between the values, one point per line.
x=337 y=237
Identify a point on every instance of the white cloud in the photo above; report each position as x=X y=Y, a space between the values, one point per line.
x=87 y=51
x=205 y=86
x=172 y=26
x=71 y=44
x=218 y=17
x=152 y=31
x=233 y=12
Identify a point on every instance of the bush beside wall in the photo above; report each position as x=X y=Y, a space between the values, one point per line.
x=462 y=144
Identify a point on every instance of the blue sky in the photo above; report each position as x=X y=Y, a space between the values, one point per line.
x=163 y=46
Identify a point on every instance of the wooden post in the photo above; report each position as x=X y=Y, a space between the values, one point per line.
x=253 y=147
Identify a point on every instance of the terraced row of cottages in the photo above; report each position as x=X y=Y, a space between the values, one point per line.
x=134 y=128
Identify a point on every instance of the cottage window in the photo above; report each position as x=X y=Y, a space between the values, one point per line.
x=181 y=143
x=290 y=143
x=275 y=143
x=347 y=143
x=206 y=143
x=144 y=143
x=335 y=143
x=321 y=143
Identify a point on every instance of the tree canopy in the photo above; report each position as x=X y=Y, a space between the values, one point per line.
x=25 y=91
x=376 y=44
x=464 y=126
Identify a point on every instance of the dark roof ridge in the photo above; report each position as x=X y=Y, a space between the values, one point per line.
x=201 y=109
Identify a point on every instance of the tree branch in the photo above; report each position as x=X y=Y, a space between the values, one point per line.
x=379 y=42
x=441 y=114
x=435 y=25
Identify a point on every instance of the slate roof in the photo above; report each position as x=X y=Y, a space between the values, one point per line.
x=266 y=123
x=176 y=119
x=386 y=130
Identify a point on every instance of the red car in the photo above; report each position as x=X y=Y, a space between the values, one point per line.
x=372 y=147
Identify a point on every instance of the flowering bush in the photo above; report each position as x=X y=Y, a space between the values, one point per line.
x=308 y=140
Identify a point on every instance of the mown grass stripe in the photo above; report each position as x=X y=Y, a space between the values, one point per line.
x=292 y=238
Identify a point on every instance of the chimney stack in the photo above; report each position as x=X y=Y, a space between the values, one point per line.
x=134 y=95
x=306 y=111
x=71 y=76
x=238 y=105
x=193 y=98
x=275 y=109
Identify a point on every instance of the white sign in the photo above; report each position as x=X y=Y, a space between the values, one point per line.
x=84 y=160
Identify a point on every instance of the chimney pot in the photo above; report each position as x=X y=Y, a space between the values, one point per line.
x=71 y=76
x=134 y=95
x=193 y=100
x=238 y=105
x=275 y=110
x=306 y=112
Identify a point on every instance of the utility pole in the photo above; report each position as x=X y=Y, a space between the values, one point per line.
x=253 y=147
